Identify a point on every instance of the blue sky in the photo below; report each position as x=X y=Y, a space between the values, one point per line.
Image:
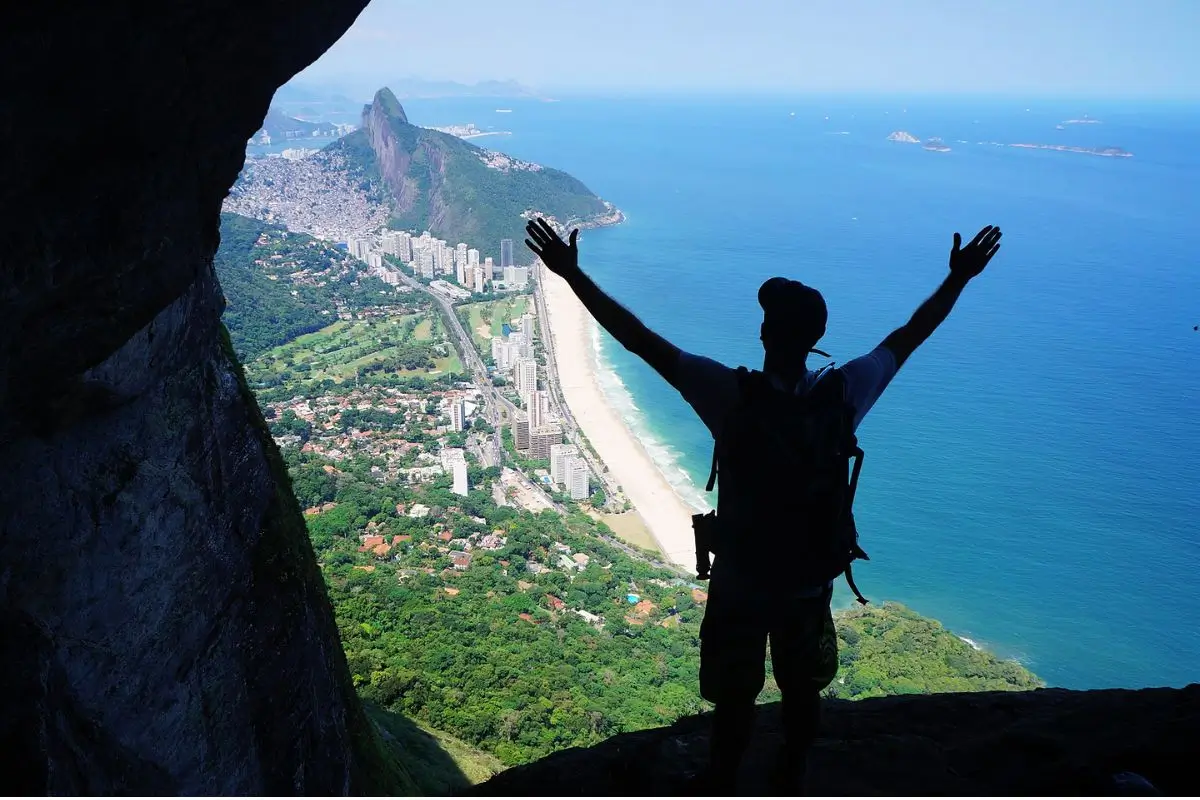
x=1092 y=47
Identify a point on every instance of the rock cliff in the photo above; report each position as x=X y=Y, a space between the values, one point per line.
x=438 y=182
x=165 y=628
x=1042 y=743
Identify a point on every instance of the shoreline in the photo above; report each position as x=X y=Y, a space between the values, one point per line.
x=667 y=516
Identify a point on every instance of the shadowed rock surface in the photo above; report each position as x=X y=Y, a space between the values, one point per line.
x=1046 y=742
x=164 y=626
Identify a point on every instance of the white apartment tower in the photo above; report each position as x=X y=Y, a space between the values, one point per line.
x=560 y=454
x=525 y=376
x=536 y=406
x=577 y=479
x=527 y=329
x=459 y=469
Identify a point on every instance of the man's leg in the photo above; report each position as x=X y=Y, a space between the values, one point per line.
x=733 y=725
x=804 y=657
x=733 y=649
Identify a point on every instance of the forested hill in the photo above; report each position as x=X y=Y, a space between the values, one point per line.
x=437 y=182
x=279 y=285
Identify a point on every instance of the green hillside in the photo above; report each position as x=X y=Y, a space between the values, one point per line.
x=260 y=265
x=437 y=182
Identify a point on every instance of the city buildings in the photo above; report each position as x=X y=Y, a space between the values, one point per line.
x=525 y=377
x=577 y=479
x=516 y=277
x=537 y=405
x=520 y=431
x=506 y=253
x=560 y=455
x=542 y=439
x=458 y=417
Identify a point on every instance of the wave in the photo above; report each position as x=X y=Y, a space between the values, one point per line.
x=665 y=457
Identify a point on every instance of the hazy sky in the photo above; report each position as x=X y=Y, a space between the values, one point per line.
x=1108 y=47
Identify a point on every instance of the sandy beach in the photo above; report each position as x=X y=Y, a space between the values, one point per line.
x=664 y=512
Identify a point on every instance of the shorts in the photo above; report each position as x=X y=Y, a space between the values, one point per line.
x=744 y=610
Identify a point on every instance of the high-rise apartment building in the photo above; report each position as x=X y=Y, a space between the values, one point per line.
x=536 y=408
x=542 y=439
x=520 y=431
x=506 y=253
x=458 y=417
x=560 y=454
x=525 y=376
x=577 y=479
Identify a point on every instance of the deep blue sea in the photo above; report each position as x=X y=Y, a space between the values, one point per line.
x=1031 y=474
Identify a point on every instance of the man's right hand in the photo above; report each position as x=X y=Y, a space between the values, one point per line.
x=967 y=262
x=558 y=256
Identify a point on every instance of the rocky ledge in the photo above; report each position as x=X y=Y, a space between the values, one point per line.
x=1046 y=742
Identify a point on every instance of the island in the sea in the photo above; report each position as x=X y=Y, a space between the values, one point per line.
x=936 y=145
x=903 y=136
x=1109 y=152
x=1086 y=120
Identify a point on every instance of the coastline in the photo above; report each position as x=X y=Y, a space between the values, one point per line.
x=664 y=512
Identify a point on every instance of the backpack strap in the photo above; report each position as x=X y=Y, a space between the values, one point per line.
x=743 y=384
x=854 y=453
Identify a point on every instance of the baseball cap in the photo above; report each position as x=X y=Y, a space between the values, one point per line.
x=792 y=309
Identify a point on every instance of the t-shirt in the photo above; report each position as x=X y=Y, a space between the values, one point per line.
x=711 y=388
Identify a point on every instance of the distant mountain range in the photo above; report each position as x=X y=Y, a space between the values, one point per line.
x=414 y=88
x=437 y=182
x=410 y=88
x=280 y=126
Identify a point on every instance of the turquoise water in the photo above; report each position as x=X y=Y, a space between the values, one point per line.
x=1031 y=474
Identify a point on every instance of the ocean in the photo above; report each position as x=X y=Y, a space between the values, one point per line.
x=1031 y=474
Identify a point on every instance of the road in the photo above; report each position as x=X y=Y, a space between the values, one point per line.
x=492 y=401
x=496 y=406
x=611 y=487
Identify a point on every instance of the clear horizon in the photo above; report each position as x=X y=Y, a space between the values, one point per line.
x=1072 y=48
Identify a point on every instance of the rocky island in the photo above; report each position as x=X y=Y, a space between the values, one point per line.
x=903 y=136
x=936 y=145
x=1110 y=152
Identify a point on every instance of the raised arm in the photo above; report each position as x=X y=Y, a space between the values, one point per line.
x=563 y=259
x=965 y=264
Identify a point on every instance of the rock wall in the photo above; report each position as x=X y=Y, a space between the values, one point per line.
x=163 y=625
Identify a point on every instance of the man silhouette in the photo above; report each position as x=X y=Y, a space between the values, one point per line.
x=744 y=610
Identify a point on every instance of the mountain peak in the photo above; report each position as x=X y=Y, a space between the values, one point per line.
x=386 y=102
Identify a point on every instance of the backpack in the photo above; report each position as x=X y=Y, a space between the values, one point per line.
x=791 y=456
